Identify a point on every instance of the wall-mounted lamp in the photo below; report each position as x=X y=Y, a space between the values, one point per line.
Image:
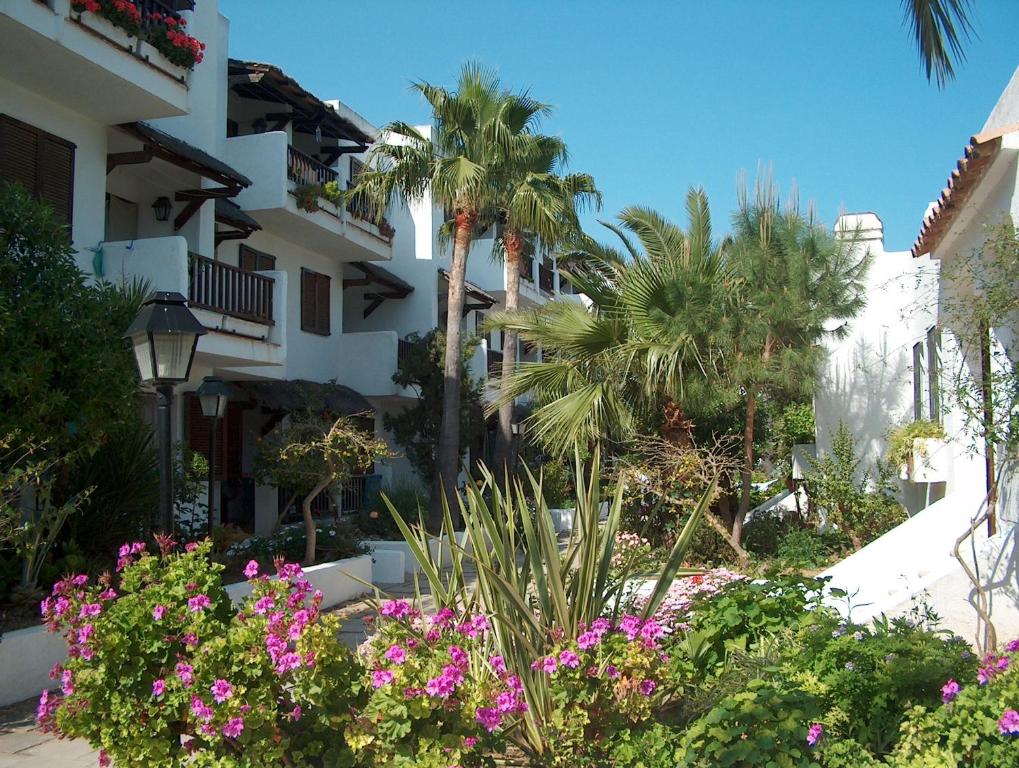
x=162 y=208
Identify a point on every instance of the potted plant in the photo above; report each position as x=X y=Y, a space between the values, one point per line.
x=307 y=197
x=910 y=447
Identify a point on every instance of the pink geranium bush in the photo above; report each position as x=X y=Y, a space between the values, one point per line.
x=164 y=670
x=438 y=695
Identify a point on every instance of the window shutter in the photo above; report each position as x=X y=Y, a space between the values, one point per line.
x=56 y=176
x=41 y=162
x=307 y=300
x=322 y=303
x=255 y=261
x=18 y=150
x=198 y=435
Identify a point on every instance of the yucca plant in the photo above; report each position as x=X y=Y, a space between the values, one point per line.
x=537 y=590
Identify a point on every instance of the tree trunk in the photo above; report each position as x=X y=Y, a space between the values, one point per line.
x=283 y=513
x=447 y=465
x=748 y=466
x=504 y=459
x=741 y=554
x=309 y=521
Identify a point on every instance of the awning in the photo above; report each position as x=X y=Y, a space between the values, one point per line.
x=382 y=283
x=229 y=214
x=180 y=153
x=267 y=82
x=481 y=299
x=301 y=395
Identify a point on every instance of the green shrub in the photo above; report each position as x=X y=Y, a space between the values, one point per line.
x=804 y=548
x=334 y=540
x=764 y=725
x=378 y=522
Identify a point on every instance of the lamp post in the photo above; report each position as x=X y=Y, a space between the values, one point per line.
x=213 y=394
x=163 y=336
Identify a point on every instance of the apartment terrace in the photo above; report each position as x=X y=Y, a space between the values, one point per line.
x=93 y=66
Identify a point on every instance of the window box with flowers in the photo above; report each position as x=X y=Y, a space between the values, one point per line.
x=119 y=22
x=167 y=35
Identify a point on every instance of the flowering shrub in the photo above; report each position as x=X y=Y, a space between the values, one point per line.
x=163 y=670
x=604 y=683
x=438 y=697
x=632 y=554
x=682 y=595
x=166 y=34
x=977 y=724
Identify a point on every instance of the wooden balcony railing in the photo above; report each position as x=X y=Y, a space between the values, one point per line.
x=304 y=169
x=358 y=206
x=546 y=279
x=221 y=287
x=527 y=268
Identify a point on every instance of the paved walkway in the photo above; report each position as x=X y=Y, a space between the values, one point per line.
x=22 y=745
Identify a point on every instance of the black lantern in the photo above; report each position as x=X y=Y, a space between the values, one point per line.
x=163 y=337
x=162 y=208
x=213 y=394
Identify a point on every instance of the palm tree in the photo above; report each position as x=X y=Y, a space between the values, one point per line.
x=540 y=206
x=792 y=276
x=643 y=347
x=477 y=131
x=938 y=27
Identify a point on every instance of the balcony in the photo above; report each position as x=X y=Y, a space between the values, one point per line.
x=546 y=279
x=91 y=66
x=245 y=312
x=283 y=199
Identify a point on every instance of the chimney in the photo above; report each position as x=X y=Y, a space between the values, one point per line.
x=864 y=226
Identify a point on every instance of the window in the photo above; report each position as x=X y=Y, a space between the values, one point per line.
x=314 y=302
x=934 y=372
x=42 y=163
x=251 y=260
x=919 y=381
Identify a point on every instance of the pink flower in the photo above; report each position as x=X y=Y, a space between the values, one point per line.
x=104 y=759
x=549 y=665
x=489 y=718
x=67 y=682
x=80 y=580
x=158 y=687
x=159 y=612
x=264 y=604
x=221 y=691
x=190 y=546
x=647 y=687
x=108 y=594
x=612 y=672
x=458 y=655
x=396 y=609
x=433 y=635
x=1008 y=724
x=569 y=659
x=588 y=640
x=396 y=654
x=85 y=633
x=629 y=626
x=234 y=727
x=949 y=691
x=295 y=713
x=470 y=741
x=287 y=662
x=200 y=709
x=814 y=734
x=498 y=664
x=1013 y=646
x=506 y=701
x=440 y=686
x=190 y=639
x=290 y=571
x=198 y=603
x=381 y=677
x=186 y=674
x=601 y=626
x=251 y=569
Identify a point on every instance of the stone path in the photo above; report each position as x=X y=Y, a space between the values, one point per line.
x=22 y=745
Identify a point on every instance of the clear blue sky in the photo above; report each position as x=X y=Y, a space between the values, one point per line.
x=653 y=97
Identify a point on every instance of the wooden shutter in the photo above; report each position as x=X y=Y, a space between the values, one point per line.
x=322 y=303
x=41 y=162
x=314 y=302
x=255 y=261
x=198 y=435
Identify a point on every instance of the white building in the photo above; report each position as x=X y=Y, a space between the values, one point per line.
x=897 y=363
x=201 y=181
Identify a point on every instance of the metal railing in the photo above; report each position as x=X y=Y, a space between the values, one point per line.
x=546 y=279
x=351 y=494
x=404 y=350
x=221 y=287
x=304 y=169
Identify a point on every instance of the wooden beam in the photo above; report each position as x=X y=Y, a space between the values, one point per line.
x=128 y=158
x=189 y=210
x=249 y=77
x=232 y=234
x=205 y=194
x=354 y=283
x=376 y=302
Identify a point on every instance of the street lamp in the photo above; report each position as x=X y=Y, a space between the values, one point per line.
x=213 y=395
x=163 y=336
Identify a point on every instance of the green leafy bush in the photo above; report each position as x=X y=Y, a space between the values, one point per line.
x=804 y=548
x=163 y=670
x=901 y=439
x=406 y=500
x=334 y=540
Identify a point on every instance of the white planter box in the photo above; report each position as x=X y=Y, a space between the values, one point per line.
x=802 y=457
x=929 y=463
x=335 y=579
x=410 y=563
x=388 y=566
x=107 y=29
x=562 y=519
x=26 y=658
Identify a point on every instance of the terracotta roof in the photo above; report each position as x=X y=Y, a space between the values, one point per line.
x=964 y=179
